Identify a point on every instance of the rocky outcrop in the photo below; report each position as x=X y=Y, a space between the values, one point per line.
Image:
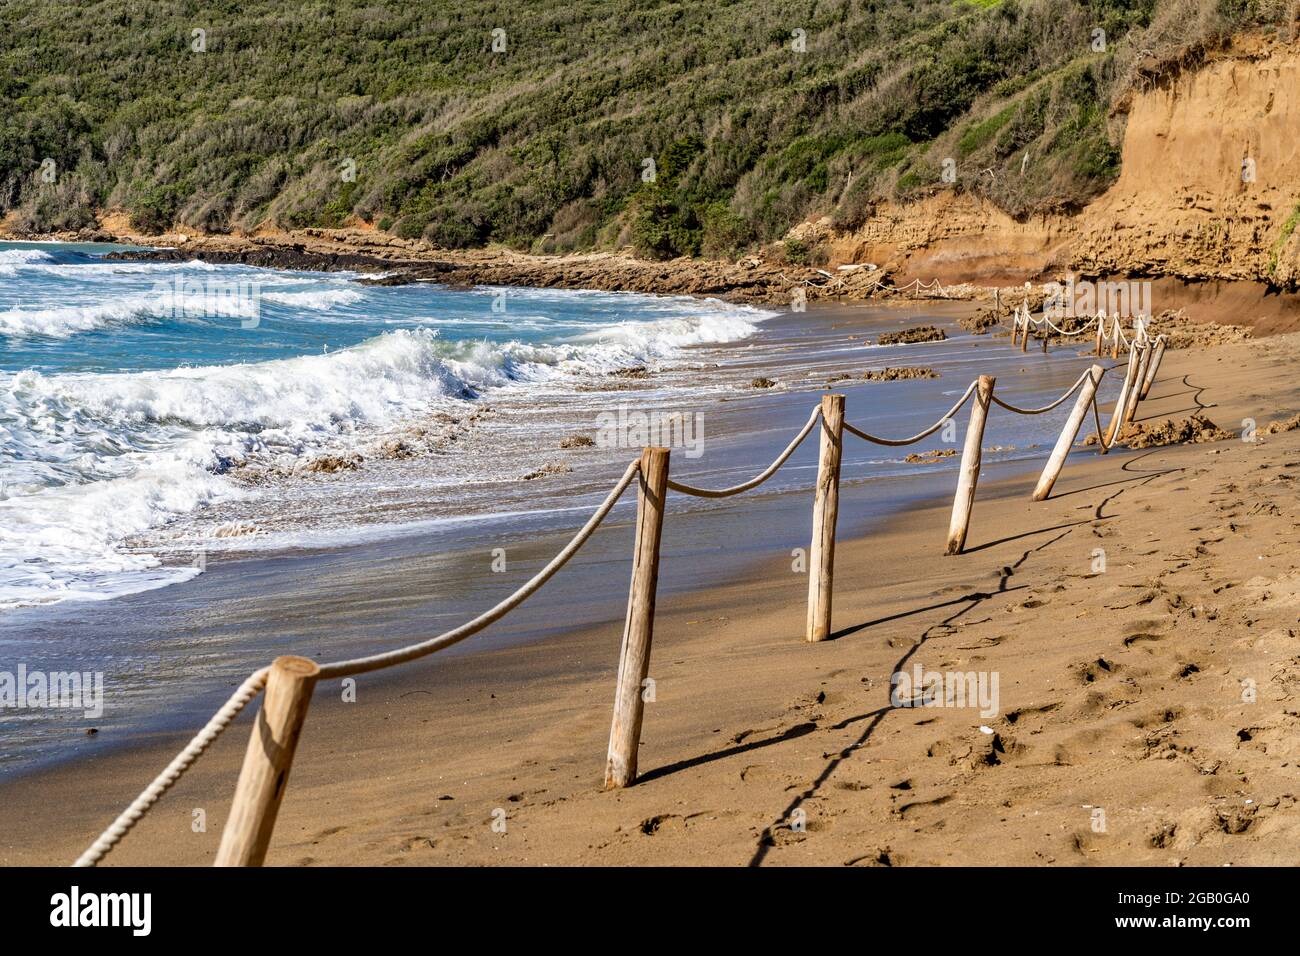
x=901 y=373
x=1210 y=175
x=752 y=279
x=920 y=333
x=1207 y=203
x=1189 y=431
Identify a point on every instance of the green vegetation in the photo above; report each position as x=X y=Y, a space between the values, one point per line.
x=1288 y=228
x=544 y=145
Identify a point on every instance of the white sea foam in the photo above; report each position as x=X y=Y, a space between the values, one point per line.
x=19 y=256
x=320 y=299
x=719 y=325
x=69 y=320
x=100 y=269
x=90 y=461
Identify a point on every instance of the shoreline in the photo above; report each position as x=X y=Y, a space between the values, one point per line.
x=158 y=742
x=751 y=280
x=202 y=633
x=545 y=705
x=913 y=493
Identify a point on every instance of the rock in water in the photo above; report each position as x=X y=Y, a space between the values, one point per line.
x=921 y=333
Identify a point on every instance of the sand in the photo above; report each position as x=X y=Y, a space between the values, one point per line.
x=1147 y=712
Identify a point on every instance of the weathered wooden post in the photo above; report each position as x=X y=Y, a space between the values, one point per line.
x=1143 y=355
x=1116 y=331
x=826 y=506
x=1056 y=461
x=1101 y=332
x=267 y=761
x=970 y=466
x=1121 y=403
x=638 y=628
x=1024 y=337
x=1152 y=367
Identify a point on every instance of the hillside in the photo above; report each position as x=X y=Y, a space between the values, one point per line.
x=756 y=115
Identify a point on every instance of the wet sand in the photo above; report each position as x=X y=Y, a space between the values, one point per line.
x=357 y=562
x=1120 y=691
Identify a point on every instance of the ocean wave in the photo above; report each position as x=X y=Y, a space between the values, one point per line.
x=65 y=321
x=21 y=256
x=383 y=379
x=292 y=402
x=722 y=323
x=94 y=460
x=319 y=299
x=97 y=268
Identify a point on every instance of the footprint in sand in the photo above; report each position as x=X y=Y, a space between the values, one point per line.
x=1142 y=637
x=903 y=809
x=881 y=857
x=1015 y=716
x=1092 y=671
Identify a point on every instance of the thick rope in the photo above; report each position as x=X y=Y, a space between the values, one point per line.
x=1096 y=412
x=1046 y=408
x=757 y=479
x=257 y=681
x=1140 y=330
x=363 y=665
x=1061 y=331
x=249 y=689
x=920 y=286
x=919 y=435
x=1101 y=435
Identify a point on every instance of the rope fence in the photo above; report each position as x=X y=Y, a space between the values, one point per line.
x=1045 y=408
x=289 y=681
x=1022 y=321
x=757 y=479
x=364 y=665
x=129 y=817
x=913 y=439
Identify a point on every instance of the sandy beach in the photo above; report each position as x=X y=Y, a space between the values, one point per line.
x=1146 y=710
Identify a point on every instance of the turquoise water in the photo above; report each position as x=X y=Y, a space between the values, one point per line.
x=135 y=394
x=155 y=434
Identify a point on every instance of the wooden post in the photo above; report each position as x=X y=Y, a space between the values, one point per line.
x=1047 y=333
x=267 y=761
x=970 y=466
x=1114 y=341
x=1143 y=354
x=1152 y=367
x=638 y=629
x=1015 y=328
x=1121 y=403
x=826 y=506
x=1068 y=434
x=1101 y=332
